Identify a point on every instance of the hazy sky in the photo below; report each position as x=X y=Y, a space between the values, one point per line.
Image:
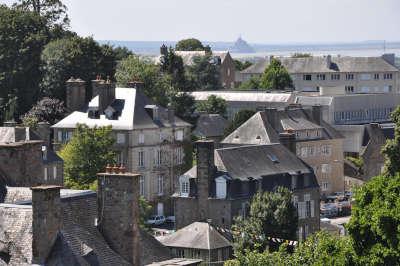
x=258 y=21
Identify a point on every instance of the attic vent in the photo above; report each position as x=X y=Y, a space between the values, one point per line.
x=236 y=137
x=258 y=137
x=273 y=158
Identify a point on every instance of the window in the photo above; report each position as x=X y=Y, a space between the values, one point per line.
x=160 y=185
x=320 y=76
x=141 y=159
x=376 y=76
x=185 y=188
x=308 y=205
x=335 y=76
x=157 y=157
x=141 y=138
x=179 y=135
x=220 y=184
x=179 y=155
x=228 y=72
x=120 y=138
x=349 y=76
x=307 y=77
x=326 y=150
x=141 y=185
x=387 y=88
x=303 y=152
x=365 y=76
x=349 y=89
x=162 y=137
x=120 y=157
x=365 y=89
x=325 y=186
x=295 y=201
x=45 y=173
x=387 y=76
x=311 y=151
x=55 y=172
x=60 y=136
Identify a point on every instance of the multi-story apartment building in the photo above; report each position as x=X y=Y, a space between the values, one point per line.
x=150 y=139
x=356 y=74
x=220 y=187
x=317 y=143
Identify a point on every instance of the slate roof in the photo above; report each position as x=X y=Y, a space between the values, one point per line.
x=198 y=235
x=210 y=125
x=258 y=130
x=77 y=242
x=240 y=96
x=257 y=161
x=133 y=114
x=318 y=64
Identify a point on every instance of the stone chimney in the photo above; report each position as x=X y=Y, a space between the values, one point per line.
x=316 y=112
x=390 y=58
x=272 y=117
x=43 y=130
x=76 y=94
x=105 y=89
x=205 y=172
x=46 y=221
x=118 y=208
x=288 y=139
x=328 y=61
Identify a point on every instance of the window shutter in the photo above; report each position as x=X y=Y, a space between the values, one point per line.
x=312 y=208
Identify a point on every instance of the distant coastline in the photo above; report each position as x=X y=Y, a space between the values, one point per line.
x=367 y=48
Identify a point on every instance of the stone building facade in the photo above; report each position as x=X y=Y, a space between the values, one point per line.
x=150 y=139
x=221 y=186
x=317 y=143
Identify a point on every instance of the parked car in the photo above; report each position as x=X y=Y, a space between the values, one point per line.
x=156 y=220
x=329 y=210
x=170 y=219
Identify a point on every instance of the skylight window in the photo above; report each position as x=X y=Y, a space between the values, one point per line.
x=273 y=158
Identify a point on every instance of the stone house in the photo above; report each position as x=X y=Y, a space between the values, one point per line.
x=200 y=240
x=224 y=181
x=210 y=126
x=47 y=225
x=26 y=158
x=150 y=139
x=356 y=74
x=317 y=143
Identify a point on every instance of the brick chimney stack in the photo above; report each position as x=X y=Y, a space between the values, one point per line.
x=317 y=113
x=205 y=172
x=46 y=221
x=118 y=212
x=288 y=139
x=76 y=94
x=105 y=89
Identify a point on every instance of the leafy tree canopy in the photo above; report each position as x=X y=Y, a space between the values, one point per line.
x=46 y=110
x=239 y=118
x=74 y=57
x=213 y=105
x=240 y=65
x=203 y=74
x=272 y=214
x=276 y=77
x=23 y=35
x=172 y=65
x=391 y=150
x=190 y=44
x=252 y=84
x=86 y=154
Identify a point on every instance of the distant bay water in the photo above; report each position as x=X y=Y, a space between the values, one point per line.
x=367 y=48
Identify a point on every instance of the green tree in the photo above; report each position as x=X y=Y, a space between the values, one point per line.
x=319 y=249
x=172 y=65
x=46 y=110
x=272 y=214
x=391 y=150
x=74 y=57
x=375 y=221
x=184 y=106
x=240 y=65
x=86 y=154
x=121 y=53
x=252 y=84
x=276 y=77
x=238 y=119
x=54 y=11
x=213 y=105
x=190 y=44
x=203 y=74
x=23 y=35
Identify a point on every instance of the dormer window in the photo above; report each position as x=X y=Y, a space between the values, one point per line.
x=184 y=186
x=221 y=186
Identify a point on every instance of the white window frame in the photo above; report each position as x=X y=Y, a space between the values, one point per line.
x=141 y=158
x=55 y=172
x=160 y=185
x=121 y=138
x=141 y=138
x=45 y=173
x=142 y=185
x=157 y=157
x=179 y=135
